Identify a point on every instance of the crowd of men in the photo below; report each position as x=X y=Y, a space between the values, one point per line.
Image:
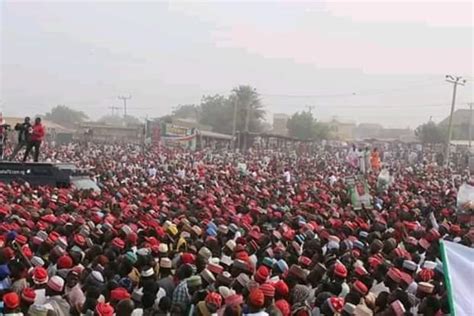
x=217 y=233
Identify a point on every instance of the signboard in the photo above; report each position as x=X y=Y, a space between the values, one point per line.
x=174 y=130
x=153 y=132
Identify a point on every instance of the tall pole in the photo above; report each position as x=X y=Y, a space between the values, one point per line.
x=247 y=121
x=455 y=80
x=470 y=124
x=113 y=108
x=234 y=123
x=124 y=99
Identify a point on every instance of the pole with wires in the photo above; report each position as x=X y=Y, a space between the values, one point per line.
x=470 y=124
x=455 y=80
x=124 y=99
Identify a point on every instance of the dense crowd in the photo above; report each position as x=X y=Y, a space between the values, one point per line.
x=217 y=233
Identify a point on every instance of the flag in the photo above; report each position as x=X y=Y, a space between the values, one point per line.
x=458 y=265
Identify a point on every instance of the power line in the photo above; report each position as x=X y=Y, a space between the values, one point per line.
x=113 y=108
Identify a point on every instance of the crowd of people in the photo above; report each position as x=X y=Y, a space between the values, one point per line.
x=204 y=233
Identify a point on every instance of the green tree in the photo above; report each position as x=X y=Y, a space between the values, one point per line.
x=430 y=133
x=187 y=111
x=248 y=102
x=303 y=125
x=217 y=112
x=65 y=116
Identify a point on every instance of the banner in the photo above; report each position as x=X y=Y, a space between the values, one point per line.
x=359 y=193
x=153 y=132
x=458 y=273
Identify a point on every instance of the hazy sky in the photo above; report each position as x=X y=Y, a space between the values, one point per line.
x=361 y=61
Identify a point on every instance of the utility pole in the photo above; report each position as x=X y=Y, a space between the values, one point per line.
x=470 y=124
x=124 y=99
x=113 y=108
x=234 y=123
x=455 y=80
x=248 y=109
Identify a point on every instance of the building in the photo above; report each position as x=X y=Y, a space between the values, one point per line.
x=110 y=133
x=461 y=121
x=279 y=123
x=367 y=130
x=341 y=130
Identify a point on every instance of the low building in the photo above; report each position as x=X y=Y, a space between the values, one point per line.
x=109 y=133
x=279 y=124
x=341 y=130
x=367 y=130
x=461 y=121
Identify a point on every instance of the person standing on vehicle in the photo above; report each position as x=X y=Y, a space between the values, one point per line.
x=35 y=139
x=23 y=131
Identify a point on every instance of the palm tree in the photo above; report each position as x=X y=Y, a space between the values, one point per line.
x=249 y=108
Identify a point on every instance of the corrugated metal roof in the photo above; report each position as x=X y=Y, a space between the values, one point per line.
x=215 y=135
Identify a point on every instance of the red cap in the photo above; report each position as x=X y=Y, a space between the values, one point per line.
x=256 y=298
x=262 y=274
x=104 y=309
x=304 y=261
x=188 y=258
x=119 y=294
x=284 y=307
x=80 y=240
x=119 y=243
x=426 y=274
x=8 y=253
x=65 y=262
x=340 y=270
x=281 y=288
x=21 y=239
x=28 y=295
x=11 y=300
x=394 y=274
x=40 y=275
x=360 y=287
x=27 y=251
x=336 y=304
x=268 y=290
x=214 y=299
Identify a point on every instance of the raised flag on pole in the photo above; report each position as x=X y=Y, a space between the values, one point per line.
x=458 y=265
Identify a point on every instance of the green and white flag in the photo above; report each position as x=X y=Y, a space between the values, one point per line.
x=458 y=265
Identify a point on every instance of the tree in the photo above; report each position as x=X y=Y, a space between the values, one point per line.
x=187 y=111
x=117 y=120
x=217 y=112
x=65 y=116
x=430 y=133
x=303 y=125
x=249 y=106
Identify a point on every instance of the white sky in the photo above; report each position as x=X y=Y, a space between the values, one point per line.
x=392 y=55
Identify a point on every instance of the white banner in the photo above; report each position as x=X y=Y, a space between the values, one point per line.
x=458 y=264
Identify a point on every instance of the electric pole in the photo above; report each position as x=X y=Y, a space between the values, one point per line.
x=234 y=122
x=124 y=99
x=248 y=109
x=113 y=108
x=470 y=124
x=455 y=80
